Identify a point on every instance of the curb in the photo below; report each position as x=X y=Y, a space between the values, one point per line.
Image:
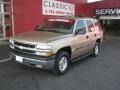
x=4 y=42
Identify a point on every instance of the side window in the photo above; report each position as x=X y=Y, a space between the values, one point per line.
x=80 y=27
x=90 y=26
x=97 y=25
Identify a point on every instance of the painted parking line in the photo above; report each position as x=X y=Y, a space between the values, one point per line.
x=5 y=60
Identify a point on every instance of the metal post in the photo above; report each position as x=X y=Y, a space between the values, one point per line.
x=12 y=16
x=3 y=21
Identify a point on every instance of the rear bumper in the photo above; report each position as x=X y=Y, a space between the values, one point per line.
x=33 y=61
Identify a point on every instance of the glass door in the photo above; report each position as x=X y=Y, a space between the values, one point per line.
x=5 y=10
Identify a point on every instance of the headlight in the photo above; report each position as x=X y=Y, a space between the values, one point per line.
x=44 y=53
x=11 y=41
x=44 y=47
x=44 y=50
x=12 y=47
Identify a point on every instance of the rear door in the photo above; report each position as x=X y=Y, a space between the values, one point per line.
x=91 y=34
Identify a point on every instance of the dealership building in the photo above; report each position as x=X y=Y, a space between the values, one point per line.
x=18 y=16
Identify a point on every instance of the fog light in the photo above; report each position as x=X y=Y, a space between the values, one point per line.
x=44 y=53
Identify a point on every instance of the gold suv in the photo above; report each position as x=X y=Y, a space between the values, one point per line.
x=57 y=42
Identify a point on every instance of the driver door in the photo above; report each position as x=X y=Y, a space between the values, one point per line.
x=80 y=40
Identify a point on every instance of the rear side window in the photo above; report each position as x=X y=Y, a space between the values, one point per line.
x=90 y=26
x=97 y=24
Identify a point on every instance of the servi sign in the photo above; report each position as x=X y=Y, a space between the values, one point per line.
x=58 y=8
x=108 y=11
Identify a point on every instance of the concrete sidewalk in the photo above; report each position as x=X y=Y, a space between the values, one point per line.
x=4 y=42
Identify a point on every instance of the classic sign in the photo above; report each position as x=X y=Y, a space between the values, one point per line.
x=108 y=11
x=53 y=7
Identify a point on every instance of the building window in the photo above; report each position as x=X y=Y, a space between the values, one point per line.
x=5 y=9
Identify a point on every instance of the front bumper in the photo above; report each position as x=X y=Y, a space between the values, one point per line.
x=33 y=61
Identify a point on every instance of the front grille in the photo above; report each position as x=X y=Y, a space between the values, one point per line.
x=24 y=51
x=24 y=47
x=24 y=44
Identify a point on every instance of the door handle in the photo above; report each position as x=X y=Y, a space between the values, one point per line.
x=87 y=37
x=95 y=35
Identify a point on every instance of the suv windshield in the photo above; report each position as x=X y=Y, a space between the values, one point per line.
x=57 y=25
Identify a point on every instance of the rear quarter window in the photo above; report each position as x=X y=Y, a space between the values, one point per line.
x=90 y=26
x=97 y=25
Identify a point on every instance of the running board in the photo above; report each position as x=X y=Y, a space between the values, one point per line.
x=81 y=57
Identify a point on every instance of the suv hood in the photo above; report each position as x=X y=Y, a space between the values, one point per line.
x=40 y=37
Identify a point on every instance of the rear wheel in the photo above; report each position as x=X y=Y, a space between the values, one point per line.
x=96 y=50
x=62 y=63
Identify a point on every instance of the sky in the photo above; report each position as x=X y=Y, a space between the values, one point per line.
x=93 y=0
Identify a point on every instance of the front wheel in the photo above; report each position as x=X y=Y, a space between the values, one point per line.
x=62 y=63
x=96 y=50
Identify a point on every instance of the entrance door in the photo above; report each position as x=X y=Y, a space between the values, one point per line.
x=5 y=9
x=112 y=27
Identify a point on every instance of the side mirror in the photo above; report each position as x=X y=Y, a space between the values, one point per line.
x=36 y=27
x=80 y=31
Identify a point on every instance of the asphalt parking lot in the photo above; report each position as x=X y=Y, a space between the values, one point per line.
x=99 y=73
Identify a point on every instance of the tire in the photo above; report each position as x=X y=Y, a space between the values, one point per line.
x=62 y=63
x=96 y=50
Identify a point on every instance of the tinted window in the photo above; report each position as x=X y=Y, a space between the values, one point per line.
x=81 y=26
x=90 y=26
